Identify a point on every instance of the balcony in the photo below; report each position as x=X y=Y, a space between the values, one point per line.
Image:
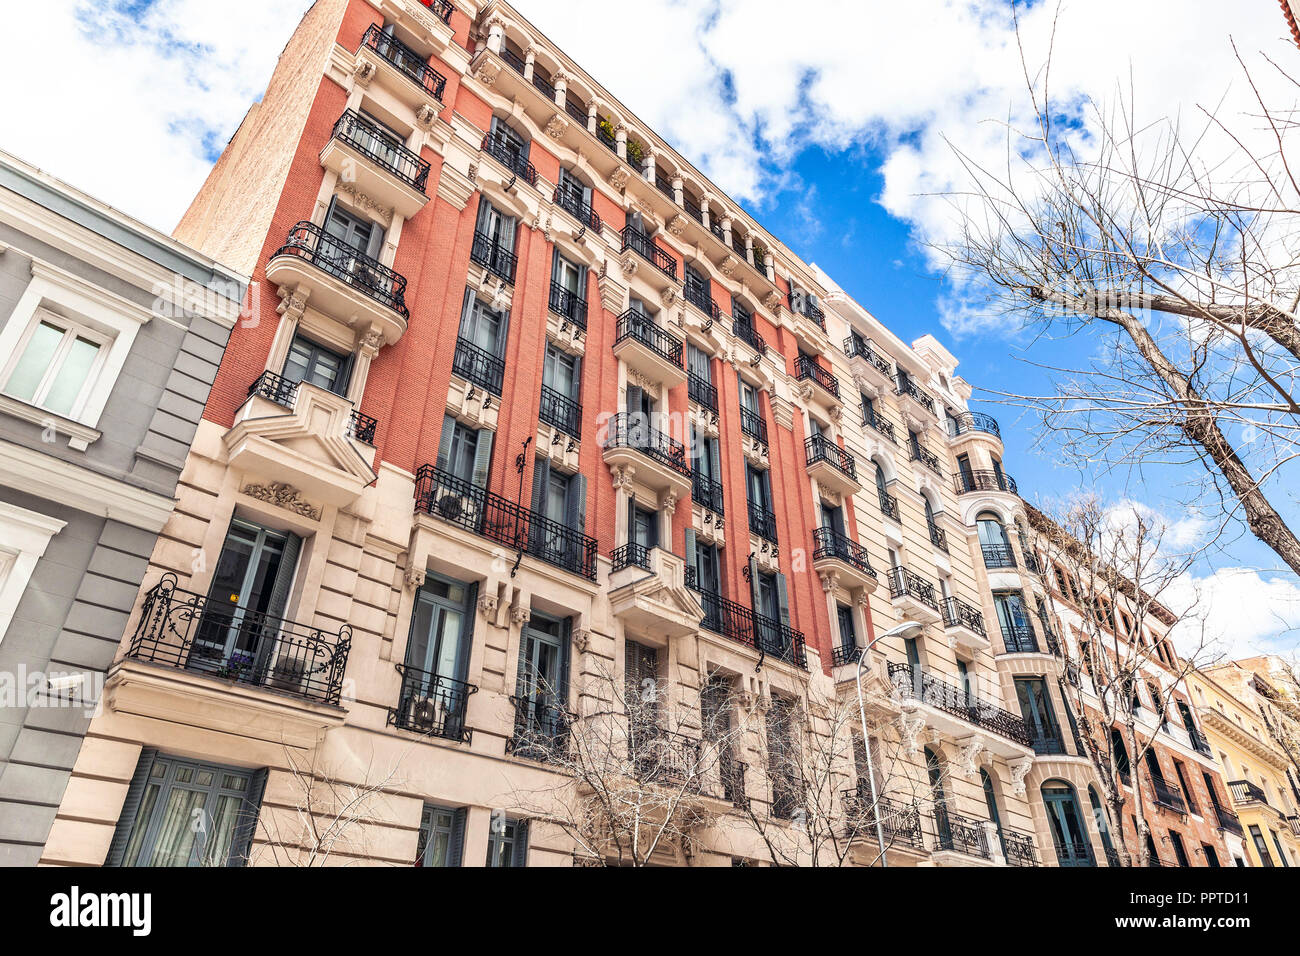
x=969 y=482
x=648 y=349
x=1169 y=795
x=1017 y=848
x=503 y=522
x=507 y=154
x=809 y=323
x=954 y=711
x=696 y=292
x=954 y=833
x=911 y=394
x=915 y=596
x=753 y=425
x=561 y=411
x=707 y=493
x=762 y=522
x=889 y=506
x=1244 y=794
x=938 y=537
x=663 y=758
x=572 y=203
x=831 y=466
x=973 y=422
x=866 y=362
x=699 y=391
x=745 y=332
x=965 y=625
x=568 y=305
x=636 y=241
x=494 y=257
x=900 y=822
x=541 y=730
x=478 y=366
x=827 y=387
x=926 y=458
x=1019 y=639
x=740 y=624
x=660 y=461
x=363 y=153
x=401 y=70
x=648 y=593
x=876 y=422
x=1228 y=820
x=997 y=556
x=340 y=281
x=835 y=554
x=431 y=705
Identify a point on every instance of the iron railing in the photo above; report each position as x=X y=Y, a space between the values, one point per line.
x=1169 y=795
x=649 y=250
x=927 y=458
x=543 y=85
x=900 y=822
x=541 y=730
x=506 y=152
x=998 y=556
x=409 y=63
x=1032 y=564
x=753 y=424
x=478 y=365
x=938 y=537
x=1227 y=819
x=381 y=148
x=762 y=522
x=967 y=482
x=1018 y=848
x=828 y=543
x=513 y=60
x=889 y=505
x=959 y=702
x=1046 y=740
x=845 y=654
x=802 y=303
x=906 y=583
x=1243 y=791
x=362 y=427
x=561 y=411
x=960 y=834
x=746 y=332
x=909 y=388
x=491 y=516
x=568 y=305
x=576 y=109
x=820 y=448
x=659 y=756
x=706 y=492
x=693 y=209
x=1019 y=639
x=873 y=419
x=431 y=704
x=639 y=326
x=335 y=257
x=494 y=257
x=973 y=422
x=696 y=292
x=806 y=368
x=665 y=186
x=856 y=347
x=572 y=203
x=700 y=391
x=284 y=392
x=740 y=624
x=630 y=555
x=440 y=8
x=957 y=613
x=190 y=631
x=633 y=430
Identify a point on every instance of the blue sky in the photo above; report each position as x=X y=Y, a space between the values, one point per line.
x=829 y=120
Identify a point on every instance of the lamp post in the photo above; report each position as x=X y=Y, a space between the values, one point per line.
x=905 y=630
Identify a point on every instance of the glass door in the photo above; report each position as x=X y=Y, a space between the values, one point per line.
x=437 y=655
x=1066 y=822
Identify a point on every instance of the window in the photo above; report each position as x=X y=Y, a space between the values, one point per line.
x=434 y=693
x=185 y=813
x=317 y=365
x=1040 y=721
x=1067 y=826
x=465 y=453
x=848 y=633
x=26 y=535
x=1180 y=852
x=1260 y=846
x=55 y=365
x=561 y=383
x=1186 y=784
x=1211 y=856
x=1277 y=844
x=442 y=837
x=481 y=343
x=1103 y=827
x=508 y=843
x=361 y=235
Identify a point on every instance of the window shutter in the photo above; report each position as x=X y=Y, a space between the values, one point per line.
x=376 y=243
x=520 y=854
x=566 y=642
x=541 y=481
x=555 y=266
x=345 y=374
x=576 y=506
x=753 y=585
x=444 y=443
x=509 y=224
x=484 y=207
x=691 y=556
x=456 y=845
x=575 y=393
x=482 y=458
x=521 y=676
x=284 y=578
x=635 y=399
x=131 y=807
x=782 y=599
x=242 y=843
x=503 y=333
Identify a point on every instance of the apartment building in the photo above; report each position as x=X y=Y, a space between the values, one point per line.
x=110 y=338
x=536 y=417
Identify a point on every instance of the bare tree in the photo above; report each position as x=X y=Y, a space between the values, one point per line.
x=1121 y=577
x=1170 y=247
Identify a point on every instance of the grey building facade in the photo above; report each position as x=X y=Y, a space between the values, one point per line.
x=110 y=337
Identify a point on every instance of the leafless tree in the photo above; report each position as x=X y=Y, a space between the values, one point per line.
x=1169 y=248
x=1119 y=577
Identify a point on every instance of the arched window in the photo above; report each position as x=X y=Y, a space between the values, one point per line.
x=1066 y=823
x=929 y=510
x=991 y=798
x=993 y=541
x=1103 y=826
x=943 y=827
x=882 y=486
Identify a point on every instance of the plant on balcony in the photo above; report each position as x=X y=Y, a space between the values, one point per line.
x=235 y=667
x=606 y=127
x=635 y=152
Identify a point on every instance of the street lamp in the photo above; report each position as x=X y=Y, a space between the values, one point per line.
x=905 y=630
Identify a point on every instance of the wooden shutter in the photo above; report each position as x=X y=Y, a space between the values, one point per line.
x=242 y=842
x=691 y=556
x=482 y=458
x=541 y=482
x=576 y=504
x=520 y=855
x=456 y=844
x=635 y=399
x=782 y=600
x=284 y=576
x=444 y=443
x=131 y=807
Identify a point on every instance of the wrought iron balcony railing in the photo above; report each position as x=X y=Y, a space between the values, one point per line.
x=382 y=149
x=906 y=583
x=409 y=63
x=506 y=152
x=753 y=425
x=938 y=537
x=362 y=427
x=541 y=730
x=513 y=60
x=577 y=110
x=543 y=85
x=431 y=704
x=633 y=430
x=636 y=325
x=568 y=305
x=740 y=624
x=1227 y=819
x=927 y=458
x=959 y=702
x=1019 y=639
x=828 y=543
x=478 y=365
x=905 y=386
x=699 y=390
x=696 y=292
x=900 y=822
x=960 y=834
x=1199 y=742
x=335 y=257
x=856 y=347
x=876 y=421
x=844 y=654
x=1168 y=795
x=561 y=411
x=998 y=556
x=658 y=756
x=665 y=185
x=967 y=482
x=1046 y=741
x=746 y=332
x=572 y=202
x=190 y=631
x=820 y=448
x=1244 y=792
x=802 y=303
x=649 y=250
x=957 y=613
x=630 y=555
x=494 y=257
x=707 y=493
x=284 y=392
x=762 y=522
x=973 y=422
x=1018 y=848
x=693 y=209
x=806 y=368
x=889 y=506
x=503 y=522
x=441 y=9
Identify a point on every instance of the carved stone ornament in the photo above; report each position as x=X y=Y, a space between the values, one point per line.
x=622 y=476
x=487 y=72
x=519 y=614
x=414 y=578
x=284 y=496
x=363 y=73
x=425 y=116
x=968 y=757
x=668 y=502
x=910 y=727
x=628 y=264
x=556 y=126
x=677 y=225
x=1019 y=770
x=378 y=209
x=292 y=303
x=372 y=342
x=830 y=580
x=618 y=178
x=773 y=302
x=581 y=639
x=487 y=605
x=728 y=266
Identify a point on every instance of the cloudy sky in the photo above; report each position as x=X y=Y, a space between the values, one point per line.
x=833 y=120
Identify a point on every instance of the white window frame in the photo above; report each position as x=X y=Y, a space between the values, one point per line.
x=72 y=330
x=26 y=535
x=61 y=297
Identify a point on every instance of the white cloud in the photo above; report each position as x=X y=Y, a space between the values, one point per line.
x=1239 y=612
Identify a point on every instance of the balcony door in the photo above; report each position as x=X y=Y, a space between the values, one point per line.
x=542 y=689
x=317 y=365
x=833 y=518
x=437 y=655
x=353 y=232
x=509 y=147
x=496 y=226
x=642 y=526
x=574 y=193
x=561 y=501
x=246 y=601
x=1069 y=833
x=1036 y=709
x=1013 y=618
x=380 y=141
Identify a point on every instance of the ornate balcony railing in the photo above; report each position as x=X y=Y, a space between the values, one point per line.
x=960 y=703
x=905 y=386
x=379 y=146
x=573 y=204
x=967 y=482
x=699 y=390
x=973 y=422
x=906 y=583
x=513 y=60
x=335 y=257
x=875 y=420
x=636 y=325
x=494 y=257
x=753 y=425
x=1227 y=819
x=938 y=537
x=633 y=430
x=431 y=704
x=806 y=368
x=362 y=427
x=190 y=631
x=1046 y=741
x=998 y=556
x=693 y=209
x=568 y=305
x=1243 y=792
x=820 y=448
x=706 y=492
x=742 y=625
x=762 y=522
x=541 y=730
x=1168 y=795
x=746 y=332
x=844 y=654
x=855 y=347
x=282 y=391
x=409 y=63
x=1018 y=848
x=1019 y=639
x=801 y=303
x=960 y=834
x=1199 y=742
x=440 y=8
x=503 y=522
x=506 y=152
x=927 y=458
x=957 y=613
x=561 y=411
x=889 y=506
x=697 y=294
x=900 y=822
x=543 y=85
x=658 y=756
x=649 y=250
x=828 y=543
x=478 y=365
x=630 y=555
